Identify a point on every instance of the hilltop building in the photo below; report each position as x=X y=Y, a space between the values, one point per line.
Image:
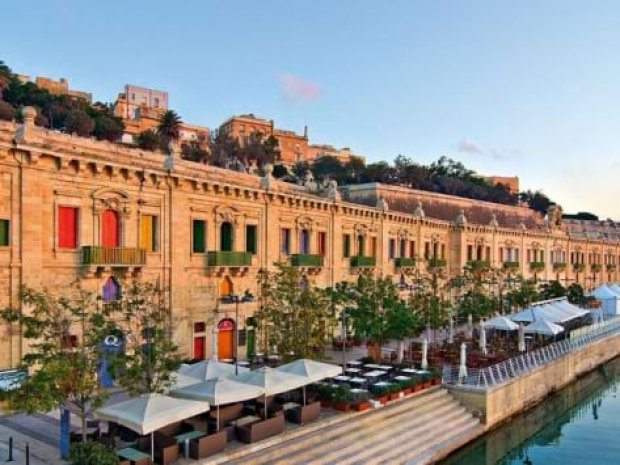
x=60 y=87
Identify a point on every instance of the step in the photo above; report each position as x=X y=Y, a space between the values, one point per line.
x=453 y=442
x=416 y=450
x=358 y=430
x=341 y=430
x=410 y=433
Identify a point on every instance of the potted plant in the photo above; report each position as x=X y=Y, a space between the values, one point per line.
x=394 y=391
x=436 y=376
x=342 y=398
x=324 y=393
x=360 y=401
x=417 y=383
x=427 y=381
x=380 y=392
x=407 y=386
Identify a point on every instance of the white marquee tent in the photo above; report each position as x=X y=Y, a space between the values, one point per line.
x=609 y=298
x=544 y=327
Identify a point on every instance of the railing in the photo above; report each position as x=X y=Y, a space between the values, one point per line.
x=126 y=256
x=485 y=378
x=307 y=260
x=404 y=262
x=478 y=265
x=436 y=262
x=537 y=266
x=559 y=266
x=359 y=261
x=511 y=265
x=231 y=259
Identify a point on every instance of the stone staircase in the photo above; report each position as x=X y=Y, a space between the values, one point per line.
x=412 y=431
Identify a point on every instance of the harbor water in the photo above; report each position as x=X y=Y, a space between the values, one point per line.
x=578 y=425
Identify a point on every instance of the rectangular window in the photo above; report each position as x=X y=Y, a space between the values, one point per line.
x=286 y=241
x=4 y=233
x=68 y=227
x=251 y=239
x=427 y=250
x=517 y=255
x=501 y=254
x=149 y=233
x=443 y=251
x=346 y=245
x=373 y=246
x=411 y=249
x=199 y=236
x=470 y=252
x=322 y=243
x=403 y=248
x=529 y=256
x=392 y=251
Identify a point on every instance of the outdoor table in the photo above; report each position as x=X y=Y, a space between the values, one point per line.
x=354 y=363
x=243 y=421
x=357 y=380
x=353 y=370
x=273 y=357
x=133 y=455
x=342 y=378
x=243 y=363
x=227 y=360
x=381 y=383
x=375 y=374
x=186 y=437
x=358 y=391
x=372 y=366
x=413 y=371
x=290 y=405
x=402 y=378
x=385 y=367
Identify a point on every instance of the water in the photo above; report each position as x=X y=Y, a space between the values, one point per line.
x=578 y=425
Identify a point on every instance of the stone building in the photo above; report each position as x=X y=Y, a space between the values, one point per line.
x=73 y=208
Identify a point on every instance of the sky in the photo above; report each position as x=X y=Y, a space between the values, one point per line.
x=528 y=88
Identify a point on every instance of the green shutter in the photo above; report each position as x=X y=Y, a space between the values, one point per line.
x=199 y=236
x=4 y=232
x=250 y=239
x=346 y=245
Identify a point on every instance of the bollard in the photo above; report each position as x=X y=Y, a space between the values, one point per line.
x=10 y=459
x=27 y=454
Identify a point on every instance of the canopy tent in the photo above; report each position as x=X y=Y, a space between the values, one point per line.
x=501 y=323
x=219 y=391
x=614 y=287
x=209 y=369
x=571 y=309
x=311 y=370
x=610 y=299
x=180 y=380
x=544 y=327
x=538 y=312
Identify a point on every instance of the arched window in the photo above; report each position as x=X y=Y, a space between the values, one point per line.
x=110 y=229
x=111 y=290
x=226 y=237
x=304 y=242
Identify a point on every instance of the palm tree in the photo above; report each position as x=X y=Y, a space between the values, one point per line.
x=169 y=125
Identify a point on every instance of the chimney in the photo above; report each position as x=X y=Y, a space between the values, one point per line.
x=306 y=132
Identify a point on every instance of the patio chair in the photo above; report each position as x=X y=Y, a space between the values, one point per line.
x=304 y=413
x=260 y=430
x=208 y=445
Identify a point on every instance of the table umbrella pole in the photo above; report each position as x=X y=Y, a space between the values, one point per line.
x=265 y=405
x=218 y=418
x=304 y=395
x=152 y=446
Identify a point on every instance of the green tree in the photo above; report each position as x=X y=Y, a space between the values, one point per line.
x=61 y=374
x=552 y=290
x=92 y=453
x=169 y=126
x=294 y=315
x=150 y=355
x=575 y=294
x=148 y=140
x=7 y=111
x=194 y=151
x=78 y=122
x=108 y=128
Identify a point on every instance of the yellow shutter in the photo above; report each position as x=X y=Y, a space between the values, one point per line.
x=146 y=232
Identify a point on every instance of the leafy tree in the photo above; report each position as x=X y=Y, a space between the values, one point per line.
x=92 y=453
x=61 y=374
x=224 y=149
x=524 y=293
x=194 y=151
x=536 y=201
x=150 y=355
x=169 y=126
x=108 y=128
x=78 y=122
x=552 y=290
x=7 y=111
x=279 y=171
x=575 y=294
x=298 y=313
x=148 y=140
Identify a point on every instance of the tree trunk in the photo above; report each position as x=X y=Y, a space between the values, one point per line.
x=401 y=348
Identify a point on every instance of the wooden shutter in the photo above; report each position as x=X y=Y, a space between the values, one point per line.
x=67 y=227
x=199 y=236
x=4 y=232
x=250 y=239
x=146 y=232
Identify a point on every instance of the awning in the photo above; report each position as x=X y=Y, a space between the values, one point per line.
x=219 y=391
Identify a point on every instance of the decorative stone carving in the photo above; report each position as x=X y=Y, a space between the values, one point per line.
x=382 y=204
x=226 y=214
x=107 y=199
x=419 y=211
x=332 y=190
x=494 y=223
x=554 y=216
x=28 y=132
x=461 y=220
x=304 y=222
x=267 y=181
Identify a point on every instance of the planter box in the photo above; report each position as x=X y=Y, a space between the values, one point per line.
x=383 y=399
x=407 y=391
x=427 y=384
x=417 y=388
x=326 y=403
x=436 y=381
x=342 y=407
x=394 y=396
x=361 y=406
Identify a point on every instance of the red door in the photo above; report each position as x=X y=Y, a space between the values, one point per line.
x=110 y=229
x=199 y=348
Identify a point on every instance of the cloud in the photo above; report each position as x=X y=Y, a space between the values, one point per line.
x=467 y=146
x=298 y=89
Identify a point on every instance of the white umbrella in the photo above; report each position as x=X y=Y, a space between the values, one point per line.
x=470 y=326
x=521 y=337
x=150 y=412
x=544 y=327
x=209 y=369
x=501 y=323
x=463 y=365
x=483 y=339
x=311 y=370
x=451 y=332
x=180 y=380
x=424 y=364
x=219 y=391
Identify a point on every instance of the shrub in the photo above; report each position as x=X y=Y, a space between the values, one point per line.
x=380 y=390
x=7 y=111
x=342 y=394
x=80 y=123
x=91 y=453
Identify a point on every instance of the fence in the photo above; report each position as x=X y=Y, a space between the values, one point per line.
x=499 y=373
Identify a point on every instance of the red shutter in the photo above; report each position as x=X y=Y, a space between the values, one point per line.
x=67 y=227
x=110 y=229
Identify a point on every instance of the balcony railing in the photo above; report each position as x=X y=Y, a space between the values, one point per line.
x=579 y=267
x=559 y=266
x=404 y=262
x=230 y=259
x=511 y=265
x=436 y=263
x=307 y=260
x=537 y=266
x=596 y=267
x=119 y=256
x=611 y=267
x=478 y=265
x=359 y=261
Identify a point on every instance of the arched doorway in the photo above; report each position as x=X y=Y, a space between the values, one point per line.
x=226 y=237
x=110 y=229
x=111 y=290
x=225 y=339
x=226 y=286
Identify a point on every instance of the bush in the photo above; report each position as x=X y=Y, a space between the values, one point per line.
x=78 y=122
x=380 y=390
x=367 y=360
x=7 y=111
x=91 y=453
x=342 y=394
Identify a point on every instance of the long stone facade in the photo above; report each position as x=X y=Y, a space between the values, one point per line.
x=74 y=208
